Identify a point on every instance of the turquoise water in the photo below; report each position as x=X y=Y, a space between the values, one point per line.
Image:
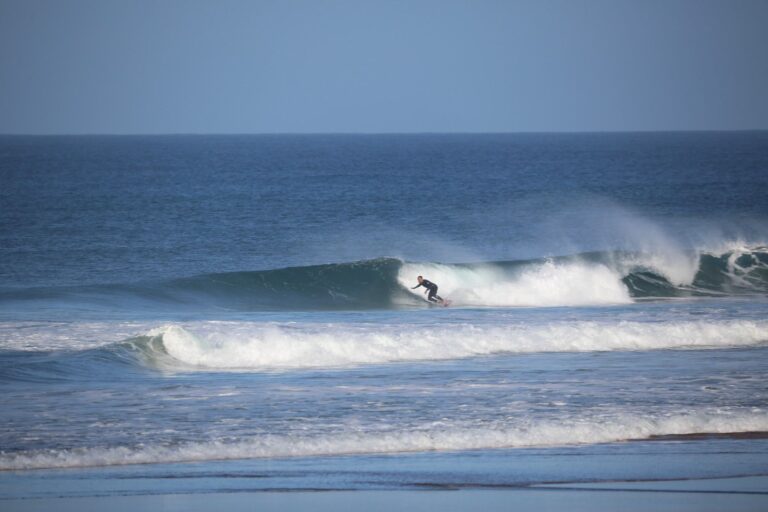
x=222 y=307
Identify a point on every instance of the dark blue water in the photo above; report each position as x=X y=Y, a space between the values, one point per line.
x=106 y=209
x=247 y=298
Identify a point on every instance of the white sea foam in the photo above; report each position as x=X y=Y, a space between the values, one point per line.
x=738 y=273
x=36 y=336
x=244 y=345
x=574 y=282
x=547 y=283
x=521 y=433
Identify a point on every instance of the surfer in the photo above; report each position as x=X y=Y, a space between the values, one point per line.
x=431 y=288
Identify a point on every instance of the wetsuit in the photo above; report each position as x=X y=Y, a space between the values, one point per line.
x=432 y=287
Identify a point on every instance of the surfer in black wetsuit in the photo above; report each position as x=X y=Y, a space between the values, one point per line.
x=431 y=288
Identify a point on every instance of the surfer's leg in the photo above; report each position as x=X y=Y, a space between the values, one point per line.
x=433 y=296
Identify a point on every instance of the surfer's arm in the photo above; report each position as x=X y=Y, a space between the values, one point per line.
x=416 y=286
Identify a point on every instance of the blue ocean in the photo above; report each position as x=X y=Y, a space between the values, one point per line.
x=236 y=313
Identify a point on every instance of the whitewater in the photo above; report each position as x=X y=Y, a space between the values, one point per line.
x=420 y=439
x=249 y=346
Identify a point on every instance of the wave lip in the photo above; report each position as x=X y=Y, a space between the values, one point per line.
x=270 y=346
x=522 y=434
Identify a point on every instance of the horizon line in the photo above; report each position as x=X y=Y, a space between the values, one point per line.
x=374 y=133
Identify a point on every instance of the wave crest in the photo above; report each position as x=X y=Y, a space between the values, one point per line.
x=259 y=346
x=520 y=434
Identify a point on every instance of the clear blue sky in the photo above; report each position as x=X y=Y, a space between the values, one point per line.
x=227 y=66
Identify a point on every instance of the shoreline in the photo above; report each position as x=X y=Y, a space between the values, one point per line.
x=748 y=493
x=703 y=436
x=655 y=438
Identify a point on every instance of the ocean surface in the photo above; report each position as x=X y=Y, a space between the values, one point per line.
x=229 y=313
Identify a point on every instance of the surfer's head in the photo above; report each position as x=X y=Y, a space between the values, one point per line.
x=420 y=279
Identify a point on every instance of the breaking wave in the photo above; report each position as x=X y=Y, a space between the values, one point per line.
x=584 y=279
x=259 y=346
x=519 y=434
x=280 y=346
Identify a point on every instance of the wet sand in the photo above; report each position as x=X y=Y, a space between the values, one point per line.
x=701 y=495
x=709 y=435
